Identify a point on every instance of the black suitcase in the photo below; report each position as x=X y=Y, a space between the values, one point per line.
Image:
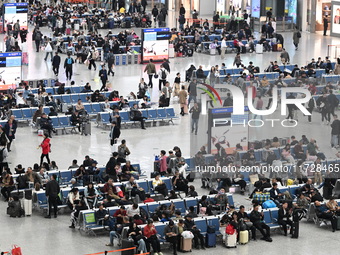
x=28 y=194
x=128 y=24
x=295 y=229
x=126 y=243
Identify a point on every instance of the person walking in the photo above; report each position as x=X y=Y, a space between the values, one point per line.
x=103 y=77
x=237 y=60
x=285 y=59
x=310 y=106
x=335 y=131
x=114 y=133
x=296 y=38
x=56 y=63
x=48 y=50
x=68 y=65
x=37 y=39
x=162 y=74
x=155 y=13
x=10 y=130
x=150 y=69
x=110 y=63
x=182 y=99
x=195 y=114
x=16 y=29
x=46 y=149
x=325 y=25
x=52 y=191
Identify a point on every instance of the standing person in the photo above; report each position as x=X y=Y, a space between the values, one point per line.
x=56 y=63
x=270 y=94
x=182 y=10
x=325 y=25
x=166 y=91
x=91 y=57
x=269 y=14
x=103 y=77
x=114 y=133
x=333 y=103
x=237 y=60
x=52 y=191
x=16 y=29
x=46 y=149
x=68 y=65
x=4 y=154
x=23 y=35
x=110 y=62
x=182 y=99
x=37 y=38
x=176 y=86
x=223 y=47
x=144 y=4
x=192 y=90
x=259 y=106
x=162 y=74
x=335 y=131
x=195 y=114
x=48 y=50
x=296 y=37
x=10 y=130
x=150 y=69
x=181 y=21
x=310 y=107
x=166 y=65
x=285 y=59
x=154 y=14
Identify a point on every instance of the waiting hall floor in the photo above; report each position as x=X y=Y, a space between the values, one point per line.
x=39 y=236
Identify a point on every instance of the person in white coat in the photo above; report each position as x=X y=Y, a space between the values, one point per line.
x=48 y=49
x=223 y=47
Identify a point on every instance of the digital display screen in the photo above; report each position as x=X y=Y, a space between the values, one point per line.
x=14 y=12
x=336 y=19
x=255 y=8
x=10 y=69
x=155 y=44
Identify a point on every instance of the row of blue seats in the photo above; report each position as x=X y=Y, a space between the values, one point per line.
x=26 y=114
x=53 y=90
x=136 y=48
x=152 y=115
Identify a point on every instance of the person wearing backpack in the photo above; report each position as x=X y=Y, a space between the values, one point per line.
x=68 y=65
x=296 y=37
x=123 y=151
x=91 y=57
x=162 y=74
x=110 y=62
x=37 y=38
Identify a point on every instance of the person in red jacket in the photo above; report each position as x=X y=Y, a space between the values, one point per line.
x=119 y=214
x=46 y=149
x=150 y=234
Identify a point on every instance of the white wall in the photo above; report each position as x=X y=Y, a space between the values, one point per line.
x=207 y=8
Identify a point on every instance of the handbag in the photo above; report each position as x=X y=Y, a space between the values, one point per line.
x=16 y=250
x=156 y=76
x=187 y=234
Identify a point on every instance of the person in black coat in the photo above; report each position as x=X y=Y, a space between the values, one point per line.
x=257 y=219
x=110 y=167
x=56 y=63
x=166 y=65
x=114 y=133
x=52 y=191
x=10 y=130
x=284 y=217
x=103 y=77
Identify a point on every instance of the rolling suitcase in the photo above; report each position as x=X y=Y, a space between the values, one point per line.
x=127 y=243
x=186 y=244
x=210 y=240
x=231 y=240
x=212 y=51
x=259 y=49
x=244 y=237
x=28 y=207
x=295 y=229
x=128 y=24
x=86 y=128
x=68 y=31
x=111 y=24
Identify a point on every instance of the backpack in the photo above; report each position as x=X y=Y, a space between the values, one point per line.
x=298 y=34
x=21 y=182
x=163 y=75
x=69 y=61
x=230 y=229
x=2 y=155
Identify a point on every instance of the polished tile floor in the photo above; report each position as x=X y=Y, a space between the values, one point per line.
x=39 y=236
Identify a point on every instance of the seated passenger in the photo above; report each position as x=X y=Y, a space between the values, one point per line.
x=150 y=234
x=257 y=219
x=284 y=217
x=323 y=213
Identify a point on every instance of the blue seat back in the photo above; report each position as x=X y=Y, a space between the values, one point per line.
x=167 y=182
x=258 y=155
x=26 y=113
x=82 y=97
x=161 y=113
x=55 y=122
x=76 y=89
x=214 y=222
x=201 y=224
x=152 y=114
x=105 y=117
x=145 y=113
x=96 y=107
x=160 y=228
x=293 y=189
x=144 y=185
x=50 y=90
x=230 y=199
x=64 y=121
x=152 y=206
x=125 y=116
x=74 y=98
x=41 y=198
x=89 y=218
x=267 y=217
x=66 y=99
x=17 y=113
x=88 y=108
x=179 y=205
x=47 y=110
x=66 y=176
x=170 y=112
x=191 y=201
x=274 y=214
